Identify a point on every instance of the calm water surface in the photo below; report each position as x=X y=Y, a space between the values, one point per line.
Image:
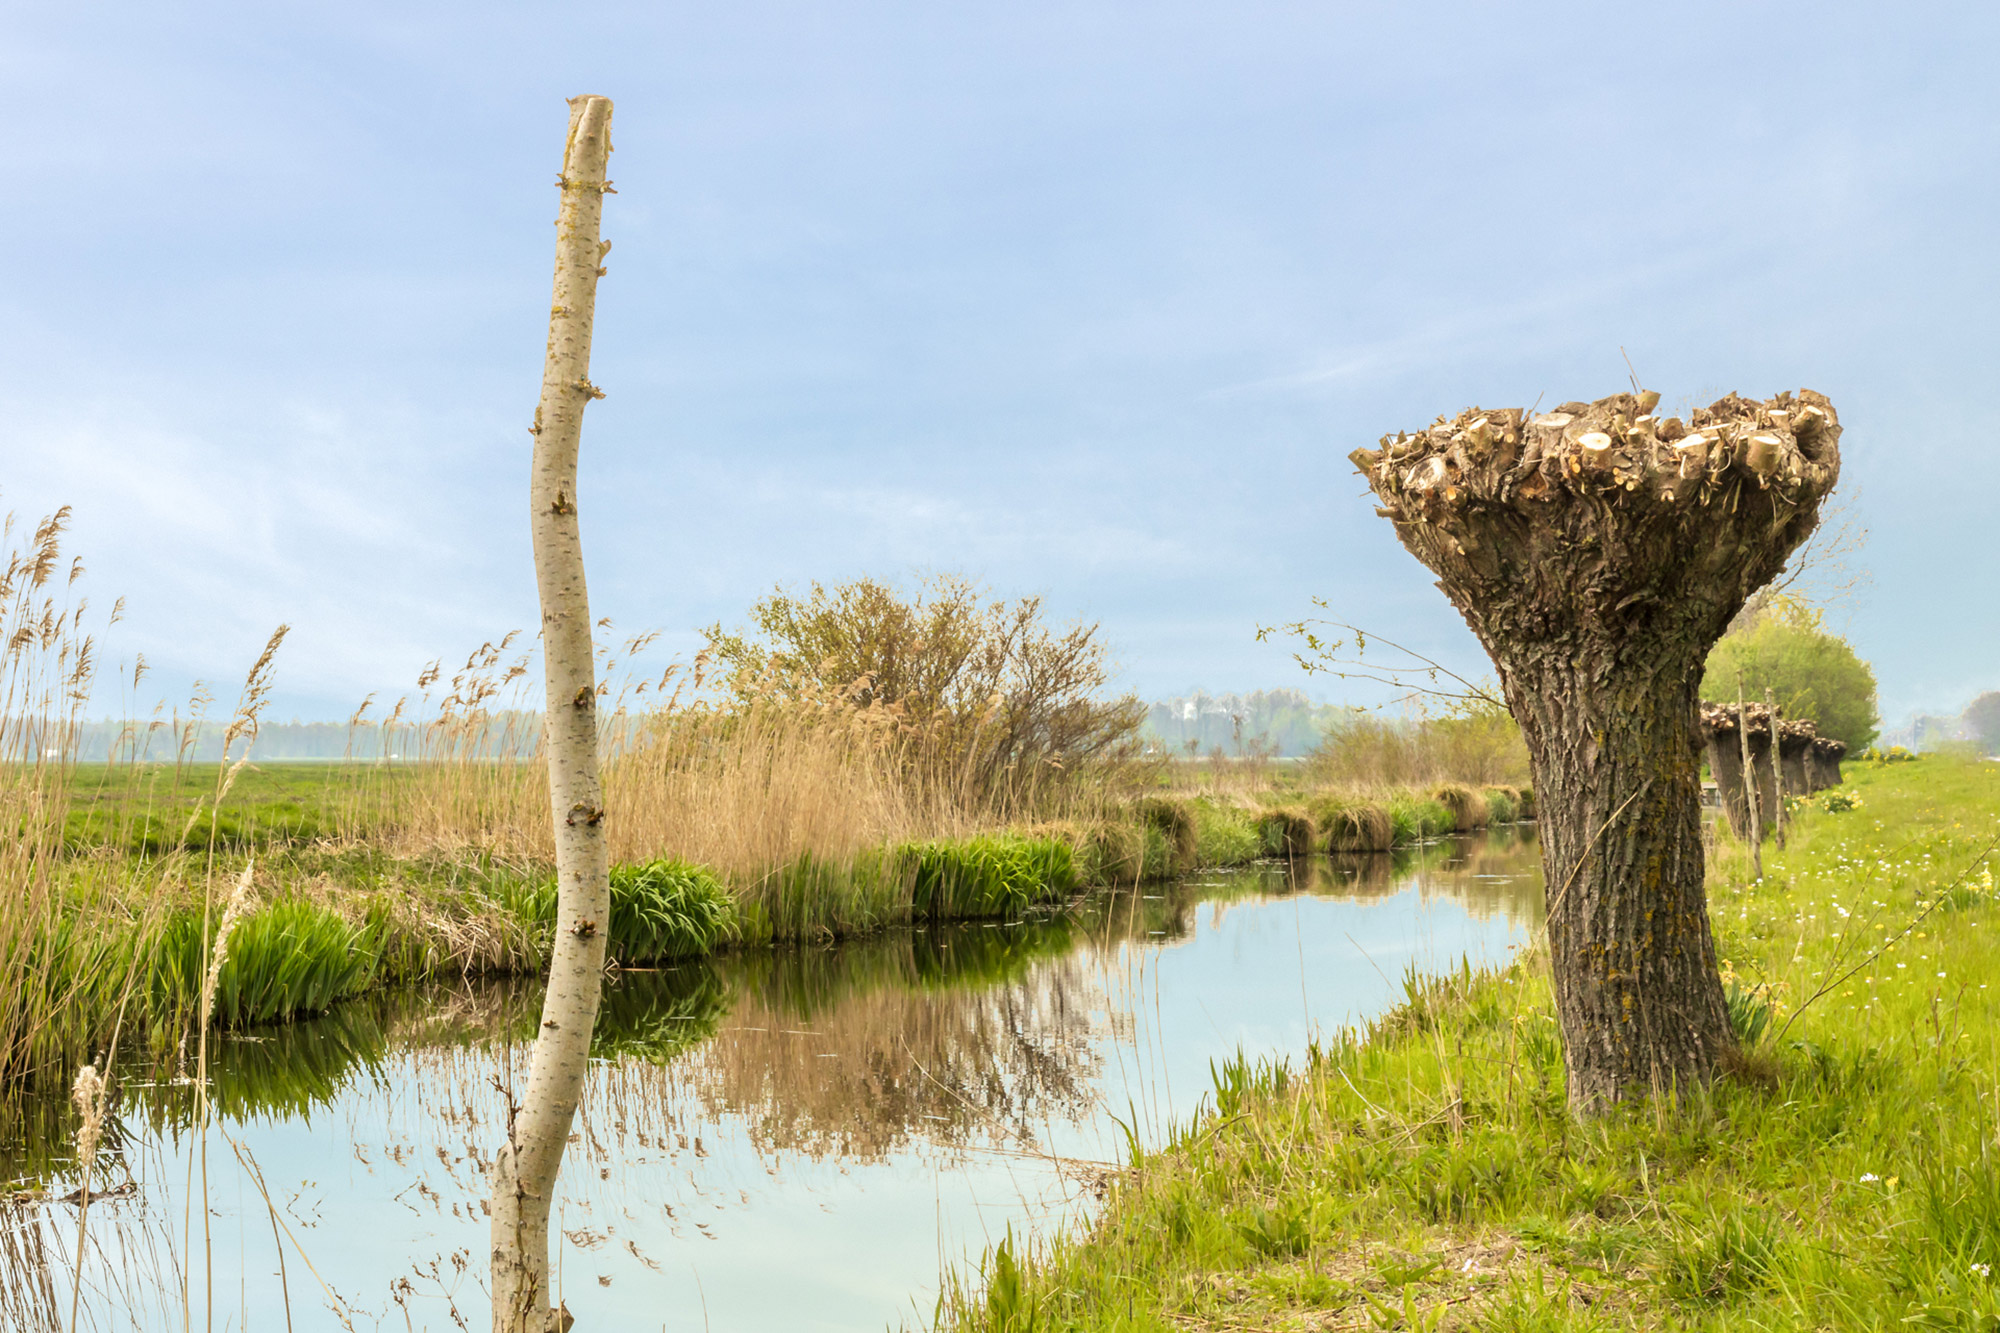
x=777 y=1140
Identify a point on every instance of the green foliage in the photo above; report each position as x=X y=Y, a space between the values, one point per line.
x=1749 y=1011
x=1816 y=674
x=1982 y=718
x=989 y=876
x=659 y=910
x=1416 y=819
x=1225 y=835
x=285 y=959
x=990 y=691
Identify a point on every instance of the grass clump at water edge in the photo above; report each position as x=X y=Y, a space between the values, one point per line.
x=660 y=910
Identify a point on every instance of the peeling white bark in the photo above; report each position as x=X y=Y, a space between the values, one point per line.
x=524 y=1170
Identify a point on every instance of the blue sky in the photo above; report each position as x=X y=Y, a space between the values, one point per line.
x=1085 y=300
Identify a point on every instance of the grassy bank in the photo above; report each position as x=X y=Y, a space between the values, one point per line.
x=360 y=881
x=1425 y=1175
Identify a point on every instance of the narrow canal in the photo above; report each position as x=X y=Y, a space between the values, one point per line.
x=772 y=1140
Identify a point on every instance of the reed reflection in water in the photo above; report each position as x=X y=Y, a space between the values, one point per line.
x=791 y=1139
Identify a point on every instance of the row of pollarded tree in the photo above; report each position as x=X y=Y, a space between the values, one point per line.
x=1806 y=761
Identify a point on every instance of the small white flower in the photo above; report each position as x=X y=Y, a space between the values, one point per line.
x=1984 y=1270
x=1869 y=1177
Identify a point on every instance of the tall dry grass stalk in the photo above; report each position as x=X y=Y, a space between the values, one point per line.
x=88 y=1094
x=746 y=786
x=57 y=966
x=1475 y=745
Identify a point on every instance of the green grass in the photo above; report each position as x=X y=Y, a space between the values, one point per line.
x=286 y=959
x=1225 y=835
x=1427 y=1175
x=1418 y=819
x=988 y=877
x=660 y=910
x=158 y=808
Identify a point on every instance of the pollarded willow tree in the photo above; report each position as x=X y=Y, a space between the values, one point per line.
x=1598 y=552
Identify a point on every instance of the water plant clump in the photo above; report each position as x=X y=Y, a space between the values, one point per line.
x=988 y=877
x=660 y=910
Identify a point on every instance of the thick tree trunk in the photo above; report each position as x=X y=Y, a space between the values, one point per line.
x=1598 y=552
x=1823 y=762
x=1728 y=749
x=1795 y=740
x=1638 y=997
x=1753 y=796
x=1774 y=755
x=1724 y=746
x=526 y=1167
x=1763 y=763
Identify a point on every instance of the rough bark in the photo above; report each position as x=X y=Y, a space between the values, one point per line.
x=1753 y=797
x=1823 y=762
x=1773 y=754
x=1724 y=748
x=1598 y=552
x=526 y=1167
x=1795 y=740
x=1727 y=748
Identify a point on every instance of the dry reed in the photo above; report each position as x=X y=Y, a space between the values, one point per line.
x=1365 y=752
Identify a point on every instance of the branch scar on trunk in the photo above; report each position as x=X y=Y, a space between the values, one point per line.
x=1599 y=551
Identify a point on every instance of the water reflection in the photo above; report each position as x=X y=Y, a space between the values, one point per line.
x=880 y=1105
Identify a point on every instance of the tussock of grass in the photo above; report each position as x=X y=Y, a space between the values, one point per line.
x=1416 y=819
x=1290 y=831
x=659 y=910
x=1174 y=819
x=988 y=877
x=1355 y=825
x=1427 y=1174
x=1503 y=805
x=1105 y=851
x=1469 y=810
x=1225 y=835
